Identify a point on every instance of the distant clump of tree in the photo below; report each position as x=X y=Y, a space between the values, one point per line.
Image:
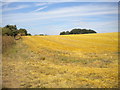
x=11 y=30
x=40 y=35
x=78 y=31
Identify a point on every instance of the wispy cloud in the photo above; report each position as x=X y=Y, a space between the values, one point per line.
x=40 y=8
x=40 y=4
x=66 y=17
x=5 y=3
x=81 y=11
x=15 y=8
x=63 y=12
x=45 y=3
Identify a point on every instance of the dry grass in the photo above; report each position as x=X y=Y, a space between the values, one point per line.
x=73 y=61
x=7 y=42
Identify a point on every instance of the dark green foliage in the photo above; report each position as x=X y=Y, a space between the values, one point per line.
x=67 y=32
x=29 y=34
x=23 y=32
x=78 y=31
x=6 y=32
x=11 y=30
x=41 y=34
x=11 y=27
x=63 y=33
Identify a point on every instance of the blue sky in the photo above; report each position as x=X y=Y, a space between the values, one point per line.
x=53 y=17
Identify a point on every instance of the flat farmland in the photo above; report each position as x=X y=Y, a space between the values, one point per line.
x=62 y=61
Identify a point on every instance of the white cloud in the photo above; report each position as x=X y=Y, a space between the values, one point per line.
x=15 y=8
x=82 y=11
x=5 y=3
x=62 y=12
x=41 y=4
x=40 y=8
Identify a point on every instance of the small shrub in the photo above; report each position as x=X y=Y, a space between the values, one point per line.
x=42 y=58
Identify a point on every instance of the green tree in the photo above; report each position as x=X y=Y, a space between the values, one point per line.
x=67 y=32
x=22 y=32
x=41 y=34
x=62 y=33
x=78 y=31
x=11 y=27
x=6 y=31
x=9 y=30
x=29 y=34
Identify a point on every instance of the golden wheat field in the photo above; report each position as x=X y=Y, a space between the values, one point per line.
x=62 y=61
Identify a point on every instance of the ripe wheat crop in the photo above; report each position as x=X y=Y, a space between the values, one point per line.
x=65 y=61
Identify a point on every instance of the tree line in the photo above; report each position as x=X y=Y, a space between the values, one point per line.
x=78 y=31
x=11 y=30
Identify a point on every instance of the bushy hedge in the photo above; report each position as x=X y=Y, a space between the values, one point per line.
x=78 y=31
x=11 y=30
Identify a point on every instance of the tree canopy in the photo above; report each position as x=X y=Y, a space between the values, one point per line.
x=78 y=31
x=11 y=30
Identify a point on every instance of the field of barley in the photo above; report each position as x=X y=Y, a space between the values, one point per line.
x=62 y=61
